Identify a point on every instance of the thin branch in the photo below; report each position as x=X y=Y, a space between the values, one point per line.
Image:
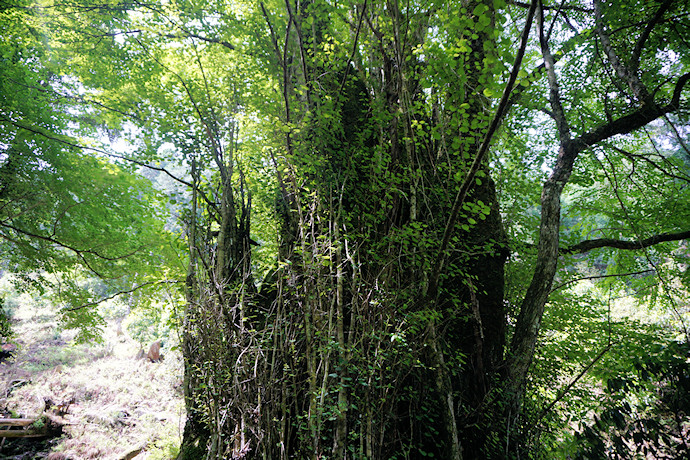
x=300 y=43
x=74 y=97
x=52 y=240
x=634 y=156
x=594 y=277
x=580 y=9
x=188 y=34
x=613 y=180
x=63 y=140
x=354 y=47
x=481 y=154
x=136 y=288
x=588 y=245
x=679 y=138
x=582 y=373
x=637 y=52
x=274 y=37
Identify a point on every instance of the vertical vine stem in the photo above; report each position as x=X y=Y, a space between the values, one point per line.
x=480 y=156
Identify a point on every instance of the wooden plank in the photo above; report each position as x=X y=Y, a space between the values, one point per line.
x=16 y=421
x=24 y=433
x=21 y=434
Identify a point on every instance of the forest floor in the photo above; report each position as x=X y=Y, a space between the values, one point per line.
x=115 y=405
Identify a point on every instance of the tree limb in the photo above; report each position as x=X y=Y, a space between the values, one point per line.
x=637 y=52
x=595 y=277
x=574 y=381
x=635 y=156
x=188 y=34
x=63 y=140
x=581 y=9
x=65 y=245
x=588 y=245
x=629 y=75
x=136 y=288
x=274 y=37
x=633 y=121
x=481 y=154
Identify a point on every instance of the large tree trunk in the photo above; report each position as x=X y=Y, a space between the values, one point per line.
x=385 y=332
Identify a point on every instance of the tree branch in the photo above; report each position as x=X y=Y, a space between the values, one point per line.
x=635 y=156
x=595 y=277
x=624 y=73
x=54 y=241
x=637 y=52
x=574 y=381
x=635 y=120
x=354 y=47
x=63 y=140
x=677 y=91
x=581 y=9
x=481 y=153
x=274 y=37
x=588 y=245
x=188 y=34
x=136 y=288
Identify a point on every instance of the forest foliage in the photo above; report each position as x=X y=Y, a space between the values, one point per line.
x=398 y=229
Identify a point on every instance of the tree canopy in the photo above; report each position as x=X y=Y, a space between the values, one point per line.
x=68 y=211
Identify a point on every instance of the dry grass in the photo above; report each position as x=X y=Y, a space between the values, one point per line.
x=117 y=403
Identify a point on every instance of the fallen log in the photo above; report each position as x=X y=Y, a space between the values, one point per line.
x=23 y=434
x=29 y=428
x=16 y=421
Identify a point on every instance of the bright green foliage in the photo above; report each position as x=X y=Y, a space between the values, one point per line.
x=371 y=322
x=66 y=211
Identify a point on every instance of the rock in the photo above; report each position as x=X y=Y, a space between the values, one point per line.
x=154 y=354
x=57 y=456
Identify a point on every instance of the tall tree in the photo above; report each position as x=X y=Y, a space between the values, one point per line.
x=65 y=210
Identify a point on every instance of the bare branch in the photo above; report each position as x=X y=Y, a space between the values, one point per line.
x=594 y=277
x=637 y=52
x=588 y=245
x=136 y=288
x=481 y=153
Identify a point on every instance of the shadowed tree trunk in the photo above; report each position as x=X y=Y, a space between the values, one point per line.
x=385 y=332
